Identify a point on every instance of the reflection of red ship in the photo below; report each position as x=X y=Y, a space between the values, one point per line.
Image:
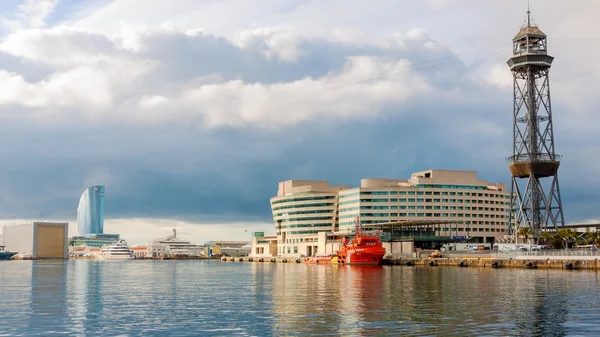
x=363 y=248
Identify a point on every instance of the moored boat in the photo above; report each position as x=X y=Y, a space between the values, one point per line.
x=4 y=255
x=365 y=248
x=319 y=259
x=117 y=251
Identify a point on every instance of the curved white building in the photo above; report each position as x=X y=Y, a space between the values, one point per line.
x=301 y=210
x=90 y=212
x=472 y=207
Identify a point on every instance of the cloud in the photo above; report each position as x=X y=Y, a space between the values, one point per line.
x=31 y=14
x=144 y=230
x=185 y=116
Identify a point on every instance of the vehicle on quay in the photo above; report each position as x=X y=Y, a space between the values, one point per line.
x=461 y=246
x=117 y=251
x=519 y=247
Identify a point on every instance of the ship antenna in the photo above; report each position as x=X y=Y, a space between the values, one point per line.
x=528 y=15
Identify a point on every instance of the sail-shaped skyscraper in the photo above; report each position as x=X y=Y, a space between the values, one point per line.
x=90 y=212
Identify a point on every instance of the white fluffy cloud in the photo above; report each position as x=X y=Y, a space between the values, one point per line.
x=233 y=94
x=144 y=230
x=94 y=74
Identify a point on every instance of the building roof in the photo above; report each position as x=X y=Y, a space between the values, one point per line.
x=529 y=30
x=226 y=243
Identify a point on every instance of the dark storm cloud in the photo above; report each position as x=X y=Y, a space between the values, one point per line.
x=226 y=172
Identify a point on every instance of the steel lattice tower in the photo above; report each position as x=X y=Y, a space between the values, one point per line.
x=535 y=198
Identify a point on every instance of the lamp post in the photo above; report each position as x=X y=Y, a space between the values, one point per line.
x=246 y=235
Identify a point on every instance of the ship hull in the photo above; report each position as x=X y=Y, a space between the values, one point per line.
x=7 y=255
x=107 y=257
x=364 y=257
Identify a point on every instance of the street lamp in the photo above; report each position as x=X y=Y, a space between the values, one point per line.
x=246 y=235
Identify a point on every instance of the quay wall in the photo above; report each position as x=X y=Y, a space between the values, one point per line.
x=481 y=262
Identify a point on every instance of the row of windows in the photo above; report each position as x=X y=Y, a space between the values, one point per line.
x=436 y=215
x=299 y=240
x=303 y=206
x=423 y=200
x=306 y=225
x=468 y=194
x=347 y=224
x=314 y=197
x=460 y=208
x=318 y=211
x=308 y=218
x=306 y=232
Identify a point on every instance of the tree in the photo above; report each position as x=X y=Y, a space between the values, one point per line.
x=566 y=236
x=547 y=237
x=593 y=237
x=525 y=232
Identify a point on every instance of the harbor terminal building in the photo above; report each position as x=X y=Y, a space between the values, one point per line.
x=441 y=205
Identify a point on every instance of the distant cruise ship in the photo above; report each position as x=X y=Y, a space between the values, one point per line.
x=117 y=251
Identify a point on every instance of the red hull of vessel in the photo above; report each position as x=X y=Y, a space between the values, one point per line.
x=363 y=248
x=364 y=256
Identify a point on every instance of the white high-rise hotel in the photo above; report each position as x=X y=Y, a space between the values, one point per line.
x=304 y=208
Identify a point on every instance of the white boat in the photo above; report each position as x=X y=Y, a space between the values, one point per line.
x=117 y=251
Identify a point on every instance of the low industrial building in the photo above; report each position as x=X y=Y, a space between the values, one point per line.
x=38 y=240
x=227 y=248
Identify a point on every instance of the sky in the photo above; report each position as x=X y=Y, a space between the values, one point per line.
x=191 y=112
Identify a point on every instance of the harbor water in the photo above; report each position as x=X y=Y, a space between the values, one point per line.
x=214 y=298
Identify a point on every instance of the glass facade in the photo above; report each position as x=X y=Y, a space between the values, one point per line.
x=94 y=240
x=90 y=213
x=476 y=207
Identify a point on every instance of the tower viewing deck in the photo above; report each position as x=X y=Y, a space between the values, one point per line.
x=535 y=203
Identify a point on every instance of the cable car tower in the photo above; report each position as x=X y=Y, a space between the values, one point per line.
x=535 y=198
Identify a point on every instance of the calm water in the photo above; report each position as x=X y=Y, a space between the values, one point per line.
x=213 y=298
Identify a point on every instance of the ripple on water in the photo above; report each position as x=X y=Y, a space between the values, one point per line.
x=211 y=298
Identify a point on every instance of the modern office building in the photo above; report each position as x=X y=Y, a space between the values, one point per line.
x=94 y=240
x=90 y=213
x=302 y=209
x=472 y=208
x=38 y=240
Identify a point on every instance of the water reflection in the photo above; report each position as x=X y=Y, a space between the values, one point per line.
x=48 y=297
x=210 y=298
x=84 y=295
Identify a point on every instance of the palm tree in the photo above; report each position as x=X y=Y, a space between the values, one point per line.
x=547 y=237
x=525 y=232
x=566 y=235
x=593 y=237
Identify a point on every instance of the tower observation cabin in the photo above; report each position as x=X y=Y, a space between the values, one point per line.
x=535 y=201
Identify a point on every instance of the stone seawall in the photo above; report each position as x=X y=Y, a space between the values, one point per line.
x=486 y=262
x=481 y=262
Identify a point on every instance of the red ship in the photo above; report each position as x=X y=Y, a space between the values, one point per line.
x=364 y=248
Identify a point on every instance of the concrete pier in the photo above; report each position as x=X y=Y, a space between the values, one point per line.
x=489 y=262
x=480 y=262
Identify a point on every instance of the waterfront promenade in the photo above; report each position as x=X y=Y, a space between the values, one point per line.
x=551 y=259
